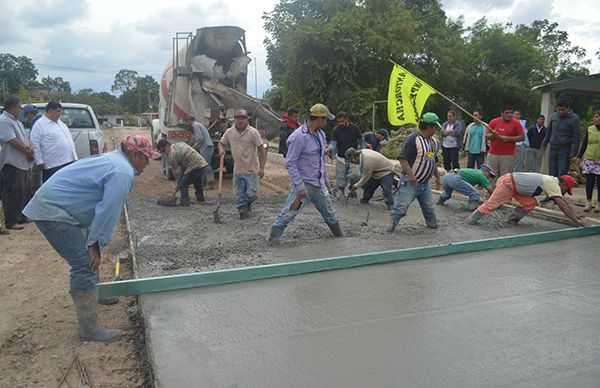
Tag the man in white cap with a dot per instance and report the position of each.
(77, 211)
(249, 159)
(305, 162)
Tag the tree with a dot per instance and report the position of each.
(141, 97)
(16, 72)
(56, 85)
(125, 80)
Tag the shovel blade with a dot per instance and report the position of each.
(216, 217)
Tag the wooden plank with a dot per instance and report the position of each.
(200, 279)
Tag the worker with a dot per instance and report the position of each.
(419, 163)
(187, 165)
(464, 181)
(524, 187)
(374, 140)
(376, 170)
(204, 145)
(305, 162)
(343, 136)
(77, 211)
(249, 157)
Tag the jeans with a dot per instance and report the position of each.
(246, 189)
(559, 161)
(386, 187)
(345, 174)
(207, 154)
(520, 158)
(534, 160)
(69, 241)
(450, 156)
(453, 181)
(317, 195)
(407, 194)
(193, 177)
(475, 158)
(15, 193)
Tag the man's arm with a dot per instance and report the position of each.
(409, 172)
(295, 148)
(575, 138)
(262, 160)
(35, 140)
(567, 211)
(547, 136)
(16, 143)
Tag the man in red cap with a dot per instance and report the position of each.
(524, 187)
(77, 211)
(249, 158)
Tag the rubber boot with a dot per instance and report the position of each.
(86, 303)
(597, 208)
(249, 206)
(473, 205)
(440, 201)
(432, 224)
(516, 216)
(106, 301)
(185, 202)
(474, 218)
(200, 196)
(336, 230)
(243, 213)
(392, 225)
(588, 206)
(273, 238)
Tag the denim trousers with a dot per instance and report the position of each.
(345, 173)
(475, 158)
(246, 189)
(207, 154)
(386, 187)
(559, 161)
(193, 177)
(69, 241)
(453, 181)
(408, 193)
(317, 195)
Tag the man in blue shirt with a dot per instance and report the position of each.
(77, 210)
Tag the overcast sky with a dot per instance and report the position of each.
(88, 42)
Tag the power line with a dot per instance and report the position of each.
(90, 70)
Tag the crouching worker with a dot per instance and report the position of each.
(188, 167)
(376, 170)
(524, 187)
(77, 211)
(464, 181)
(305, 162)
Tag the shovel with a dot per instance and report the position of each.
(168, 200)
(216, 217)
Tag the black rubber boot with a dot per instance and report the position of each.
(336, 230)
(474, 218)
(200, 196)
(185, 202)
(516, 216)
(273, 238)
(86, 304)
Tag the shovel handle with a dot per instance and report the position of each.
(221, 165)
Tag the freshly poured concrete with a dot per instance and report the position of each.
(518, 317)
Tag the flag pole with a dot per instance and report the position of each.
(453, 103)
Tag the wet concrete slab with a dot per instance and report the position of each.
(517, 317)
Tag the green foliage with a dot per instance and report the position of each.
(16, 72)
(56, 85)
(125, 80)
(142, 97)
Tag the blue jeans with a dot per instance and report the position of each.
(315, 194)
(453, 181)
(559, 161)
(69, 241)
(344, 174)
(207, 154)
(407, 194)
(386, 188)
(246, 189)
(193, 177)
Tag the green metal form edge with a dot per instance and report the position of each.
(212, 278)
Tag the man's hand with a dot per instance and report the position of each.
(40, 167)
(261, 173)
(302, 194)
(412, 180)
(95, 258)
(221, 152)
(543, 149)
(503, 139)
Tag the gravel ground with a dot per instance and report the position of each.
(183, 240)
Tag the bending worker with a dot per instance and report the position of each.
(524, 187)
(77, 211)
(464, 181)
(188, 167)
(376, 170)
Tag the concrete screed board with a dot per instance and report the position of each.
(516, 317)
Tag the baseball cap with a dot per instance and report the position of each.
(431, 118)
(350, 153)
(320, 110)
(489, 169)
(568, 179)
(29, 108)
(139, 143)
(240, 113)
(384, 132)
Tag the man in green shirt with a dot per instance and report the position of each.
(464, 181)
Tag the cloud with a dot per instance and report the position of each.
(526, 11)
(51, 13)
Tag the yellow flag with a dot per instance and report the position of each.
(406, 97)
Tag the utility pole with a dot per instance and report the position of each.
(255, 78)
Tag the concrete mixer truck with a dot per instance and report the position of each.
(207, 78)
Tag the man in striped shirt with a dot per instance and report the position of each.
(418, 161)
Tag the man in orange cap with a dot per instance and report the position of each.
(77, 211)
(524, 187)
